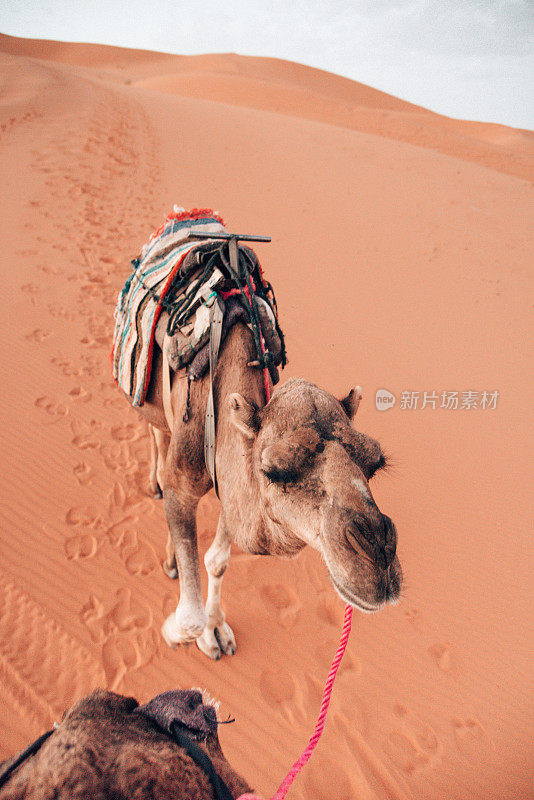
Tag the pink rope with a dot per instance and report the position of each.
(321, 720)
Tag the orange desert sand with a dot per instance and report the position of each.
(400, 257)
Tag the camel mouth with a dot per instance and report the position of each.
(356, 602)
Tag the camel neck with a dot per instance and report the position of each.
(238, 486)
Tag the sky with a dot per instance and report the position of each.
(470, 59)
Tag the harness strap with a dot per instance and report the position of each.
(166, 387)
(216, 321)
(7, 771)
(201, 759)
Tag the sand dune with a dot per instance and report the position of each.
(401, 259)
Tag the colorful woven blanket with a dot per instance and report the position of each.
(139, 303)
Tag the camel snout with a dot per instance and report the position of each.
(389, 549)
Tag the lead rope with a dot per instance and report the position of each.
(327, 693)
(321, 720)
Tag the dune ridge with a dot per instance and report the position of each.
(397, 264)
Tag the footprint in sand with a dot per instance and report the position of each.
(126, 432)
(124, 628)
(86, 436)
(118, 457)
(59, 311)
(81, 546)
(138, 557)
(413, 615)
(329, 610)
(85, 516)
(81, 394)
(30, 288)
(93, 343)
(38, 336)
(114, 402)
(67, 367)
(121, 499)
(413, 745)
(48, 270)
(83, 473)
(282, 602)
(470, 735)
(441, 654)
(277, 686)
(51, 406)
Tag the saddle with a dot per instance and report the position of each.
(192, 281)
(183, 328)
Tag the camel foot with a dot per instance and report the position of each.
(170, 570)
(176, 634)
(216, 641)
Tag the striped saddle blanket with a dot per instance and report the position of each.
(140, 302)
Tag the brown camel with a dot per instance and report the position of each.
(107, 747)
(290, 473)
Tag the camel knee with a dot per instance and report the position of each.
(216, 560)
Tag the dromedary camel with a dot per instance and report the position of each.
(108, 747)
(290, 473)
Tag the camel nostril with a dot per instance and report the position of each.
(360, 543)
(390, 539)
(381, 558)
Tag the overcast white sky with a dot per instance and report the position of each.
(471, 59)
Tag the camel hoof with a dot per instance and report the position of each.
(175, 636)
(170, 570)
(154, 489)
(225, 637)
(216, 641)
(208, 645)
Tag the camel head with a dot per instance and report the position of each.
(313, 470)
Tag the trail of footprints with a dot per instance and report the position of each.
(96, 223)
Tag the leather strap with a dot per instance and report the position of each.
(216, 320)
(8, 769)
(220, 789)
(166, 387)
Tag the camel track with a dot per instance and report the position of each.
(88, 225)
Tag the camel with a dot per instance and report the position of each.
(107, 746)
(292, 472)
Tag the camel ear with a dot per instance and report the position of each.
(351, 402)
(244, 415)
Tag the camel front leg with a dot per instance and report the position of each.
(217, 637)
(159, 447)
(153, 487)
(189, 620)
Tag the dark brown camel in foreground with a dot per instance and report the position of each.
(106, 748)
(291, 473)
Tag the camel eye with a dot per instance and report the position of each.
(280, 476)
